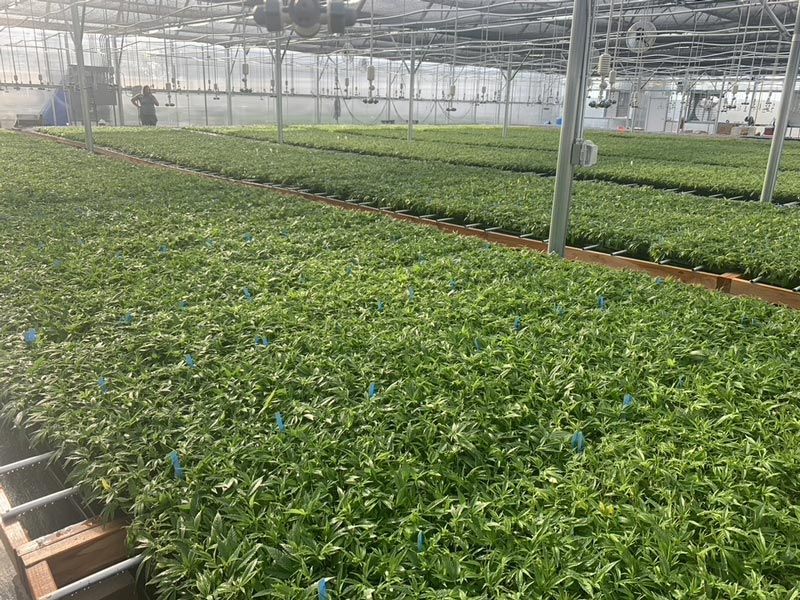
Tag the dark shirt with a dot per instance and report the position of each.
(147, 105)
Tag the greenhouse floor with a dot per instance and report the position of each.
(8, 590)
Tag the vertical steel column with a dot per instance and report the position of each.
(77, 39)
(559, 222)
(205, 87)
(279, 89)
(507, 115)
(782, 121)
(317, 99)
(229, 86)
(412, 80)
(118, 79)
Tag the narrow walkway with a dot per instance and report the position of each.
(8, 588)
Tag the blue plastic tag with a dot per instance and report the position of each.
(681, 382)
(380, 306)
(163, 249)
(103, 383)
(31, 337)
(183, 305)
(190, 362)
(602, 303)
(248, 237)
(280, 422)
(349, 270)
(373, 390)
(176, 465)
(127, 319)
(248, 295)
(322, 589)
(578, 442)
(627, 401)
(420, 542)
(518, 324)
(262, 341)
(660, 281)
(453, 285)
(478, 345)
(411, 293)
(560, 311)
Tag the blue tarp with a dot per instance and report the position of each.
(57, 111)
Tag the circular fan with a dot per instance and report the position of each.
(641, 37)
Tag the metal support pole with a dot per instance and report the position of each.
(787, 95)
(77, 39)
(721, 104)
(559, 222)
(26, 462)
(507, 115)
(205, 87)
(317, 99)
(39, 503)
(229, 85)
(118, 80)
(279, 89)
(412, 81)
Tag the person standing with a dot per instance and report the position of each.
(146, 102)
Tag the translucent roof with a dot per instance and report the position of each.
(739, 38)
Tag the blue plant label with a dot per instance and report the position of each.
(280, 422)
(453, 285)
(248, 295)
(119, 256)
(627, 401)
(248, 237)
(262, 341)
(184, 305)
(518, 324)
(210, 243)
(602, 303)
(322, 589)
(127, 319)
(103, 384)
(373, 390)
(560, 311)
(660, 281)
(176, 465)
(285, 234)
(190, 361)
(380, 306)
(578, 442)
(41, 245)
(681, 382)
(31, 337)
(420, 542)
(411, 293)
(478, 345)
(349, 270)
(164, 249)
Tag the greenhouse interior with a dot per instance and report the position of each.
(399, 299)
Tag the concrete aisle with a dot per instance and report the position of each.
(8, 590)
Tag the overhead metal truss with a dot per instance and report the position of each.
(725, 38)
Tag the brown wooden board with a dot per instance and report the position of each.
(77, 551)
(39, 578)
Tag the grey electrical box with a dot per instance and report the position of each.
(584, 154)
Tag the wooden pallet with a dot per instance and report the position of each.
(52, 561)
